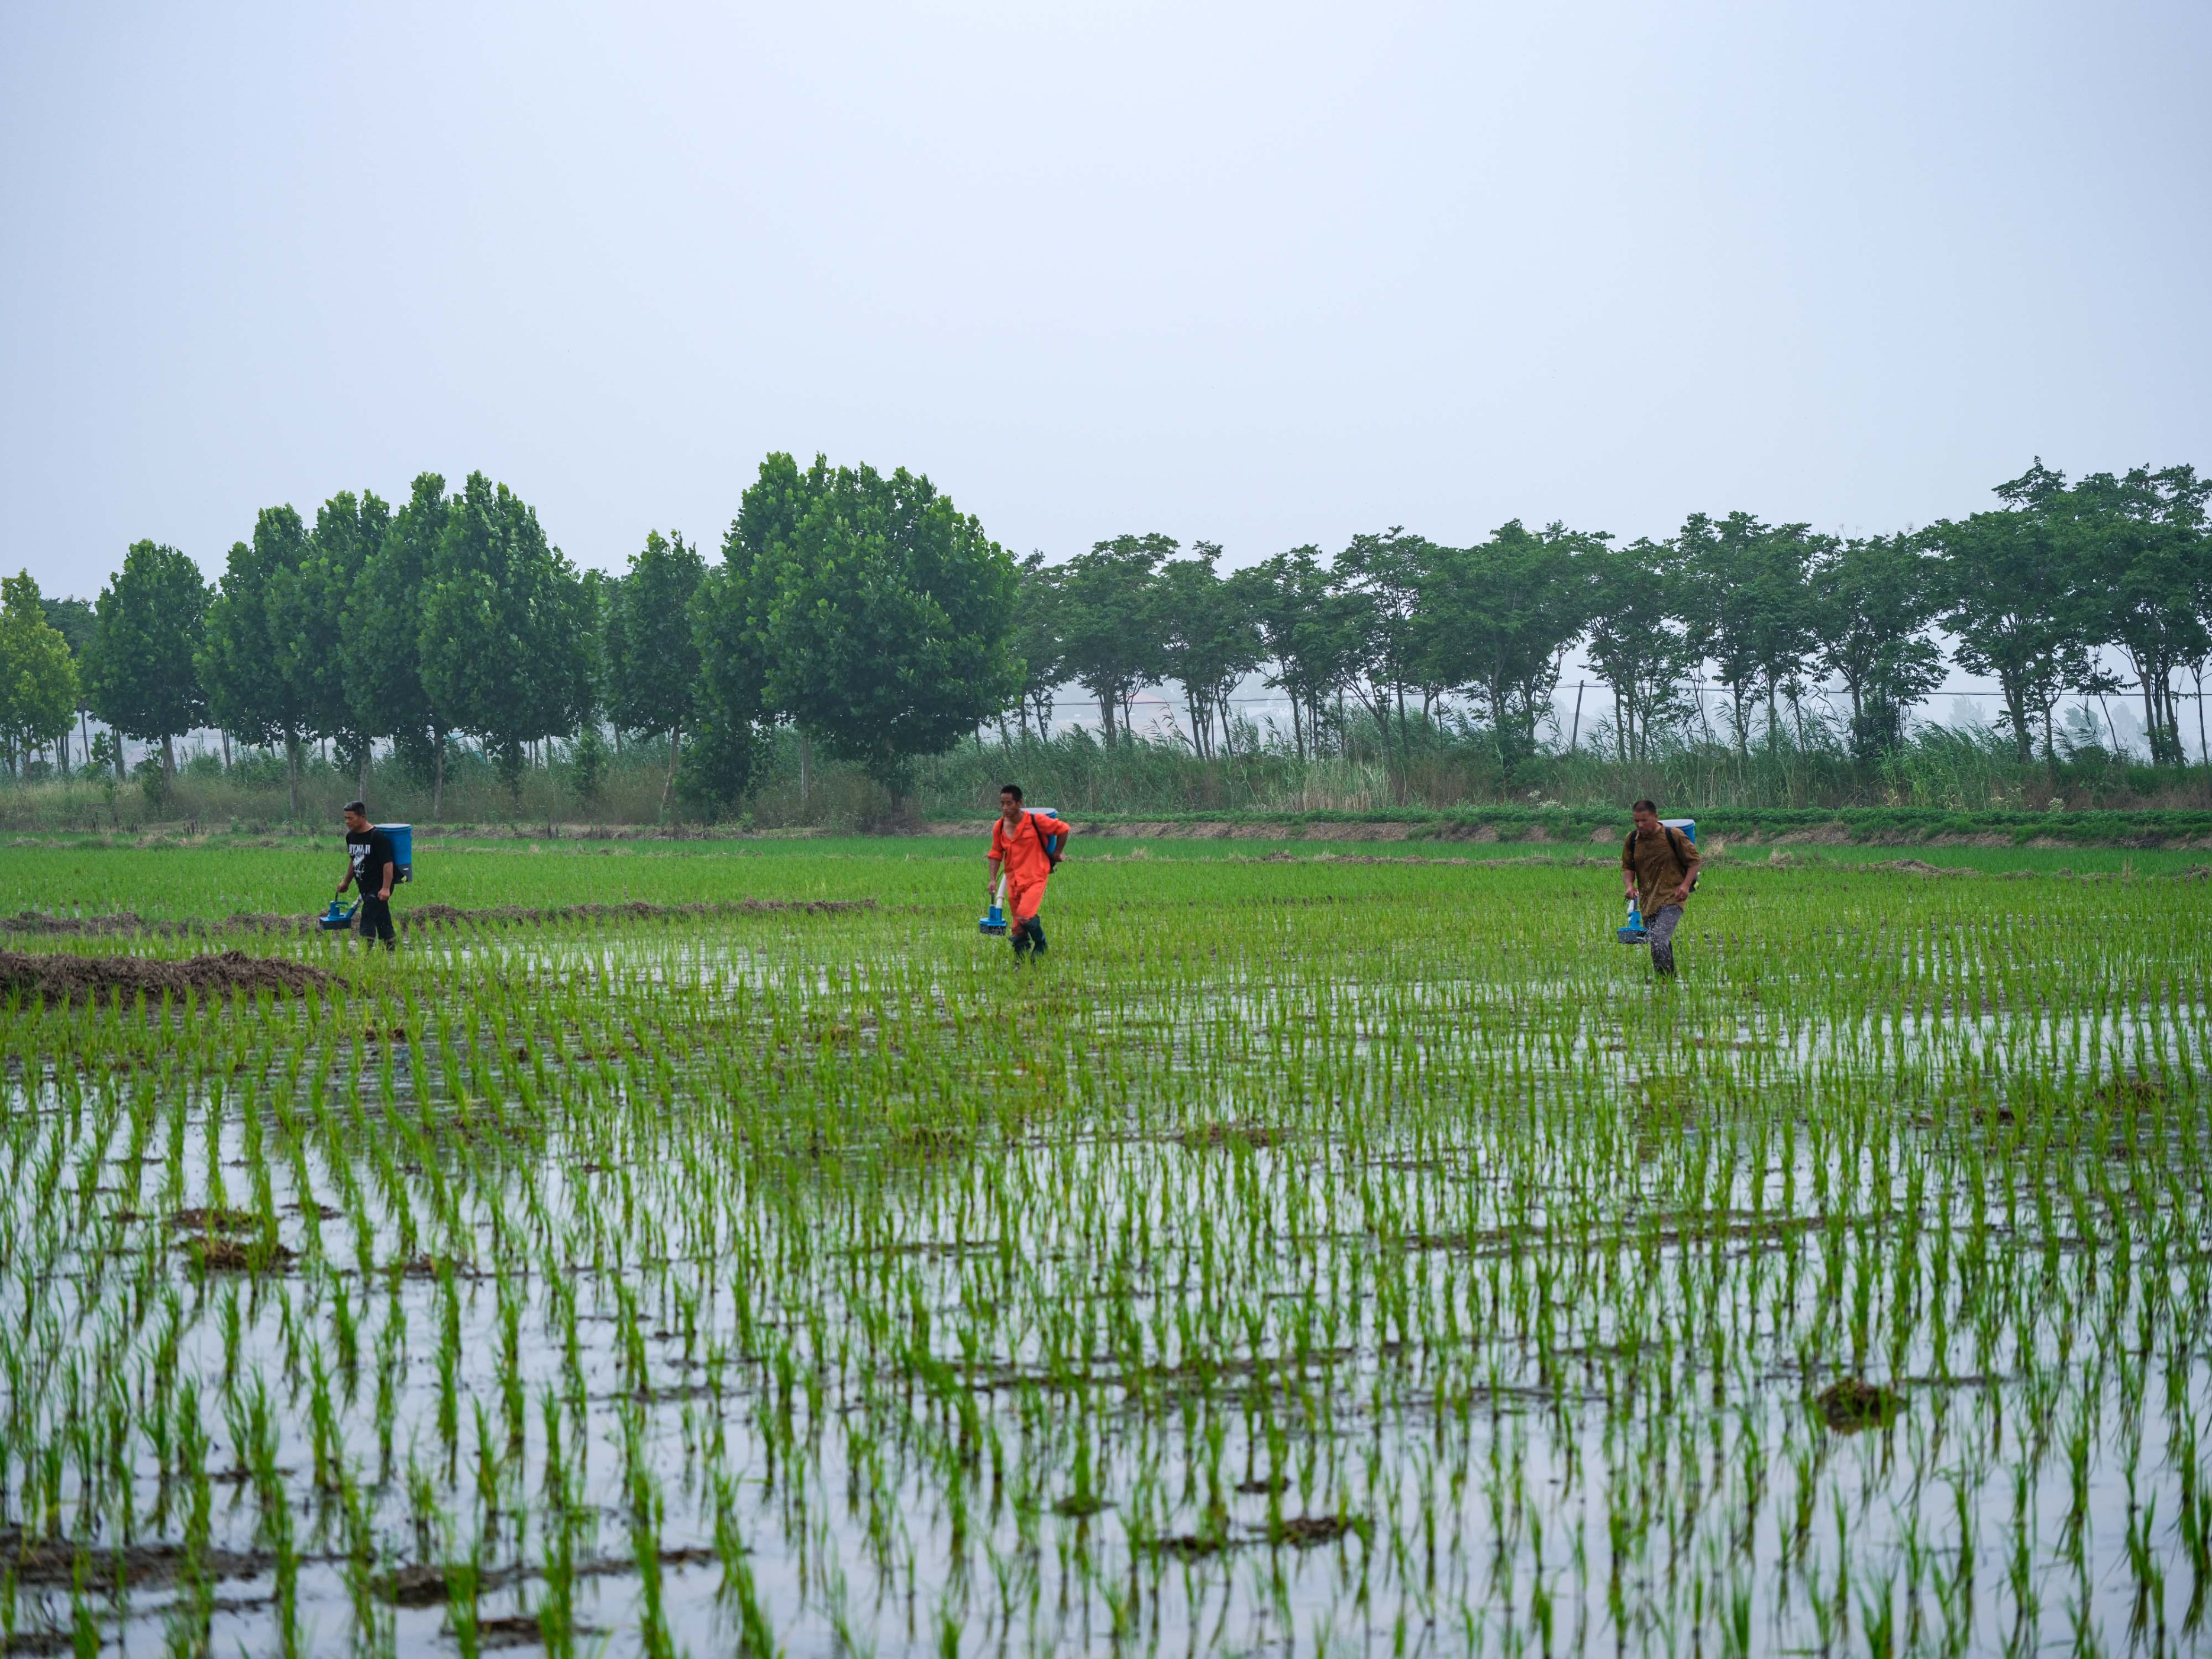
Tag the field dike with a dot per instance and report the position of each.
(121, 923)
(57, 976)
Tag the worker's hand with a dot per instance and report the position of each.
(1682, 894)
(384, 898)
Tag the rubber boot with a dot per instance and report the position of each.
(1018, 936)
(1036, 934)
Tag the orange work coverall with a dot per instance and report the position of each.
(1022, 858)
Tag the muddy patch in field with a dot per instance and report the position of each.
(61, 978)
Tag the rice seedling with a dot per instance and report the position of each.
(1323, 1256)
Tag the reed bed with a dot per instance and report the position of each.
(1301, 1258)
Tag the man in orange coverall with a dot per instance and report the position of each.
(1017, 839)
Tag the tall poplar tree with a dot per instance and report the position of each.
(384, 635)
(652, 654)
(248, 659)
(148, 630)
(37, 677)
(506, 629)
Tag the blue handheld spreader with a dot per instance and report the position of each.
(340, 915)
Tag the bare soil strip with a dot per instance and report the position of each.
(59, 977)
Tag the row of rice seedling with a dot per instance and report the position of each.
(1299, 1258)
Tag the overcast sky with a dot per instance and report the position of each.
(1264, 275)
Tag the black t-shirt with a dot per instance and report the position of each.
(370, 849)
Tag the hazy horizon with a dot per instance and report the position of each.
(1264, 276)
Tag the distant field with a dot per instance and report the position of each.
(1350, 1254)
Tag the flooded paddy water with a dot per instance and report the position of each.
(1296, 1261)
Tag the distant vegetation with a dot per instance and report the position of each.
(862, 652)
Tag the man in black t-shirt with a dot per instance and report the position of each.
(371, 865)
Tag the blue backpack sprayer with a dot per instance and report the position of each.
(1635, 932)
(340, 915)
(994, 919)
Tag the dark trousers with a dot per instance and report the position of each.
(1662, 929)
(374, 920)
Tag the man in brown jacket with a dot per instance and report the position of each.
(1659, 866)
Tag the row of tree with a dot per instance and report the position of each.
(2030, 592)
(868, 611)
(865, 607)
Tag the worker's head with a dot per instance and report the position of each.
(1647, 818)
(356, 815)
(1010, 799)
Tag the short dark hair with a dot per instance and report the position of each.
(1013, 789)
(1645, 806)
(360, 807)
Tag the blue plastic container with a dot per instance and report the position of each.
(403, 850)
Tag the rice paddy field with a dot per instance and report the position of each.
(1308, 1255)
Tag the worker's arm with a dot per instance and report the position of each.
(991, 876)
(348, 881)
(1690, 857)
(391, 872)
(1628, 865)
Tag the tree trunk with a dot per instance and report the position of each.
(292, 768)
(2202, 754)
(1575, 733)
(225, 749)
(1298, 731)
(668, 786)
(2111, 730)
(361, 786)
(805, 766)
(437, 772)
(169, 766)
(2153, 728)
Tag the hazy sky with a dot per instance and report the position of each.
(1265, 274)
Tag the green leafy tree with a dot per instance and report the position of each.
(729, 621)
(38, 676)
(384, 636)
(1380, 578)
(144, 674)
(1210, 640)
(2012, 601)
(1109, 630)
(884, 615)
(73, 620)
(652, 654)
(1310, 631)
(507, 646)
(1498, 619)
(247, 661)
(309, 606)
(1746, 587)
(1037, 601)
(1874, 599)
(2139, 543)
(1636, 643)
